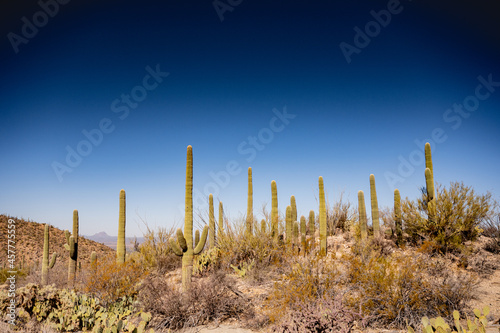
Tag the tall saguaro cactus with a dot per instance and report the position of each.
(46, 265)
(322, 217)
(211, 222)
(312, 227)
(274, 210)
(303, 232)
(374, 203)
(249, 221)
(362, 215)
(288, 225)
(184, 245)
(120, 245)
(72, 246)
(431, 199)
(397, 217)
(293, 204)
(221, 219)
(428, 157)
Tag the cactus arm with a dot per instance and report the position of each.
(428, 157)
(303, 231)
(53, 260)
(67, 234)
(71, 246)
(196, 237)
(202, 242)
(181, 240)
(175, 247)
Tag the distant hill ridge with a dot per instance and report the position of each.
(29, 242)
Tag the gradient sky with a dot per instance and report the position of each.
(226, 77)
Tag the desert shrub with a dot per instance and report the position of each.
(260, 251)
(491, 227)
(319, 315)
(459, 212)
(340, 215)
(311, 280)
(213, 299)
(155, 251)
(109, 280)
(398, 289)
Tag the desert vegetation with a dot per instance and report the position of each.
(416, 267)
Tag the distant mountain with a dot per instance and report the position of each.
(104, 238)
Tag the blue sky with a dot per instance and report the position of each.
(101, 68)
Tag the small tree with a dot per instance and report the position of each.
(458, 213)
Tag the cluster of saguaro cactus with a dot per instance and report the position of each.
(120, 245)
(374, 203)
(249, 219)
(184, 245)
(362, 215)
(72, 246)
(46, 265)
(322, 217)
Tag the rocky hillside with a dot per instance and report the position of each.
(29, 243)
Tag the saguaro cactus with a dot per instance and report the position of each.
(322, 217)
(293, 204)
(295, 232)
(46, 265)
(249, 221)
(312, 227)
(72, 246)
(397, 217)
(374, 202)
(431, 199)
(303, 232)
(93, 259)
(120, 245)
(362, 215)
(184, 245)
(288, 225)
(211, 222)
(221, 220)
(428, 157)
(274, 210)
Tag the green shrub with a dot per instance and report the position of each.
(459, 213)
